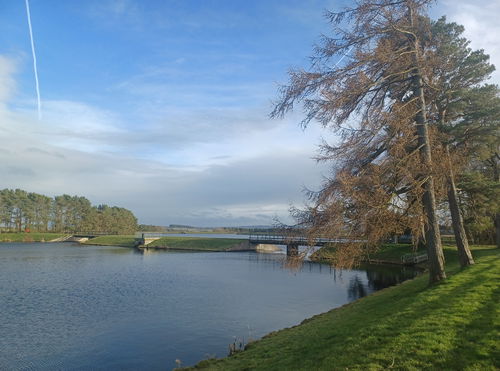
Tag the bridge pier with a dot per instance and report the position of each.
(292, 249)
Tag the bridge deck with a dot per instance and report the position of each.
(291, 240)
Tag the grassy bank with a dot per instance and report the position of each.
(450, 326)
(196, 243)
(393, 252)
(125, 241)
(388, 253)
(175, 243)
(29, 237)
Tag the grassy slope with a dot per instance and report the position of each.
(178, 243)
(394, 252)
(452, 325)
(29, 237)
(387, 253)
(196, 243)
(125, 241)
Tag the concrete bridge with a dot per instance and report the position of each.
(292, 243)
(146, 238)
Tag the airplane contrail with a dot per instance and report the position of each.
(37, 85)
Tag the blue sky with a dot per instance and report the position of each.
(162, 106)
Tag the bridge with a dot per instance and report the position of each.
(291, 242)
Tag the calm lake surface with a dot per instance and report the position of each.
(65, 306)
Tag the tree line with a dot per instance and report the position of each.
(418, 129)
(28, 211)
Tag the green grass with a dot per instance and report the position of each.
(119, 240)
(29, 237)
(453, 325)
(196, 243)
(389, 252)
(393, 252)
(177, 243)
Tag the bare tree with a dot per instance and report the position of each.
(383, 175)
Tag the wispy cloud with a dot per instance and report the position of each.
(73, 125)
(7, 82)
(306, 12)
(111, 11)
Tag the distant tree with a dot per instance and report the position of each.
(7, 208)
(61, 213)
(114, 220)
(43, 212)
(151, 228)
(21, 211)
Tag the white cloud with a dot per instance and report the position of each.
(72, 125)
(250, 191)
(7, 82)
(225, 167)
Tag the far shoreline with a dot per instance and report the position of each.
(389, 254)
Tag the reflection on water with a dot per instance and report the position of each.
(377, 278)
(65, 306)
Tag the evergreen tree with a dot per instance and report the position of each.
(457, 73)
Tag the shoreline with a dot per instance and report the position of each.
(407, 326)
(199, 244)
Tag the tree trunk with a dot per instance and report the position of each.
(464, 254)
(497, 229)
(433, 236)
(496, 220)
(421, 244)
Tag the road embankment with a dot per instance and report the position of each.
(201, 244)
(176, 243)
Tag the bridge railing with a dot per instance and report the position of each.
(275, 237)
(414, 258)
(289, 239)
(150, 234)
(294, 239)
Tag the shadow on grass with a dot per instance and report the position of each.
(392, 335)
(431, 328)
(477, 341)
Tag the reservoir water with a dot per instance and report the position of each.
(65, 306)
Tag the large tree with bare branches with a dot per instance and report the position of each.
(376, 100)
(407, 91)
